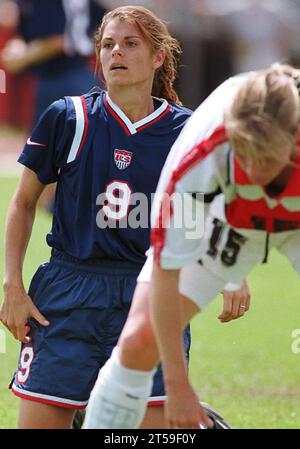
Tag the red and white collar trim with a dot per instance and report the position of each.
(132, 128)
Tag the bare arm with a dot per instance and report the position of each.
(17, 306)
(18, 55)
(182, 407)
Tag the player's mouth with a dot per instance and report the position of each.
(117, 67)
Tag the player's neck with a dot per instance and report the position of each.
(135, 104)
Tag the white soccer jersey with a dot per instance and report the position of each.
(201, 161)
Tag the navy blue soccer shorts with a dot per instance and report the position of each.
(87, 305)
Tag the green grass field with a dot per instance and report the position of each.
(38, 252)
(245, 369)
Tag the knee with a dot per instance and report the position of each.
(137, 344)
(137, 338)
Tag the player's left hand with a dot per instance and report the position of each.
(236, 303)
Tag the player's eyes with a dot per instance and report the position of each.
(107, 45)
(132, 43)
(265, 161)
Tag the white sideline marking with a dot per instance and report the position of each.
(2, 342)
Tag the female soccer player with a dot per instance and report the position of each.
(106, 151)
(241, 141)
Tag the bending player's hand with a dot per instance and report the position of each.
(236, 303)
(16, 310)
(183, 410)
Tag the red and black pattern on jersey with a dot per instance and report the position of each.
(253, 208)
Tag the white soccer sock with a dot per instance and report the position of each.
(119, 397)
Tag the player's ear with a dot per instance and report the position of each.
(159, 58)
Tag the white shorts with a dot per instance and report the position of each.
(228, 255)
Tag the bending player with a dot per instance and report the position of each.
(240, 141)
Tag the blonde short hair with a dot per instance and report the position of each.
(264, 116)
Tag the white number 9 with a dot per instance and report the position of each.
(25, 362)
(118, 195)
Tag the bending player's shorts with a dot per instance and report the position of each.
(87, 305)
(227, 256)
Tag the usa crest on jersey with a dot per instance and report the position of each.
(122, 158)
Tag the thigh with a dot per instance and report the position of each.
(35, 415)
(139, 314)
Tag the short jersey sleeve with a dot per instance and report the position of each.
(44, 151)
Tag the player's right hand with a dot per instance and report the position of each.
(16, 310)
(183, 410)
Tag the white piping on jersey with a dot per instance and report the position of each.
(79, 130)
(133, 127)
(155, 114)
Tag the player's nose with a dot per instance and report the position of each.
(117, 50)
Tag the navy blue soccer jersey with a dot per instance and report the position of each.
(107, 169)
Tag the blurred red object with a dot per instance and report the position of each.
(16, 104)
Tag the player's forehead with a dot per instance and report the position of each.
(261, 156)
(121, 29)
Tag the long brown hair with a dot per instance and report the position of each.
(158, 36)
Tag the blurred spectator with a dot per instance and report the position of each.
(16, 94)
(55, 43)
(262, 32)
(294, 13)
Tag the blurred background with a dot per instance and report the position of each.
(219, 38)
